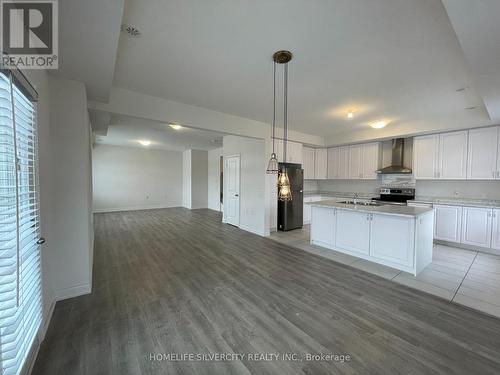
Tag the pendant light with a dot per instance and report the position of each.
(272, 166)
(284, 188)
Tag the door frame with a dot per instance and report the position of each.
(225, 175)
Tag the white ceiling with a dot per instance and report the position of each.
(386, 59)
(88, 41)
(127, 131)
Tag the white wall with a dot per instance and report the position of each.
(199, 179)
(129, 178)
(186, 179)
(252, 181)
(71, 234)
(214, 179)
(195, 179)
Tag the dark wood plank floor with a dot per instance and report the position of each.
(179, 281)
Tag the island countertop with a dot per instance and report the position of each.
(382, 209)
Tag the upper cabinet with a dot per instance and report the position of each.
(334, 163)
(371, 160)
(320, 164)
(343, 162)
(440, 156)
(308, 156)
(484, 160)
(356, 161)
(293, 151)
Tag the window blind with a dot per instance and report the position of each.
(20, 268)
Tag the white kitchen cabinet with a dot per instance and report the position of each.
(293, 151)
(483, 154)
(308, 162)
(370, 160)
(476, 226)
(355, 161)
(453, 156)
(344, 162)
(320, 163)
(334, 163)
(425, 156)
(392, 238)
(323, 226)
(495, 233)
(448, 223)
(353, 231)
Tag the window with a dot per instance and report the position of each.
(20, 268)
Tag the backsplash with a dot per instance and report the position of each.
(424, 188)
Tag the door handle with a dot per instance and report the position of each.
(236, 195)
(40, 241)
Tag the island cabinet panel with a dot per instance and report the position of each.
(392, 239)
(448, 223)
(323, 226)
(353, 231)
(476, 226)
(495, 233)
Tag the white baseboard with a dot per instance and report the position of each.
(131, 208)
(46, 320)
(486, 250)
(73, 291)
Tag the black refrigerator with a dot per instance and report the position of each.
(290, 213)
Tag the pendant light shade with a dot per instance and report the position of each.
(272, 166)
(285, 190)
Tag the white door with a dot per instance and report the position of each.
(353, 231)
(323, 226)
(308, 162)
(495, 233)
(344, 162)
(370, 160)
(320, 164)
(355, 161)
(333, 162)
(232, 206)
(482, 158)
(447, 223)
(476, 226)
(453, 155)
(392, 238)
(425, 157)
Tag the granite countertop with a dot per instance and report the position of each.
(458, 201)
(383, 209)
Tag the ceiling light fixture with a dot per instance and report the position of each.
(131, 31)
(175, 126)
(144, 142)
(284, 188)
(350, 115)
(272, 166)
(379, 125)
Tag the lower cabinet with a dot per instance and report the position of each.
(448, 223)
(495, 233)
(392, 239)
(353, 231)
(476, 226)
(323, 226)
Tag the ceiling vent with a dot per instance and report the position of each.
(131, 31)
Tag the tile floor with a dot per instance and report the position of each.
(466, 277)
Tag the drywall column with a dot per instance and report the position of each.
(214, 169)
(72, 234)
(195, 179)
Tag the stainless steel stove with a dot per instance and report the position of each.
(397, 196)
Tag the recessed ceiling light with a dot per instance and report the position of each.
(350, 115)
(175, 126)
(379, 125)
(144, 142)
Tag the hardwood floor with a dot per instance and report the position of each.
(179, 281)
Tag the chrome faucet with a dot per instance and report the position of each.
(356, 196)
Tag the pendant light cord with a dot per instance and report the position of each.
(285, 110)
(274, 103)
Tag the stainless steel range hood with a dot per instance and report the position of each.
(397, 165)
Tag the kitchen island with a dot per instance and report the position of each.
(400, 237)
